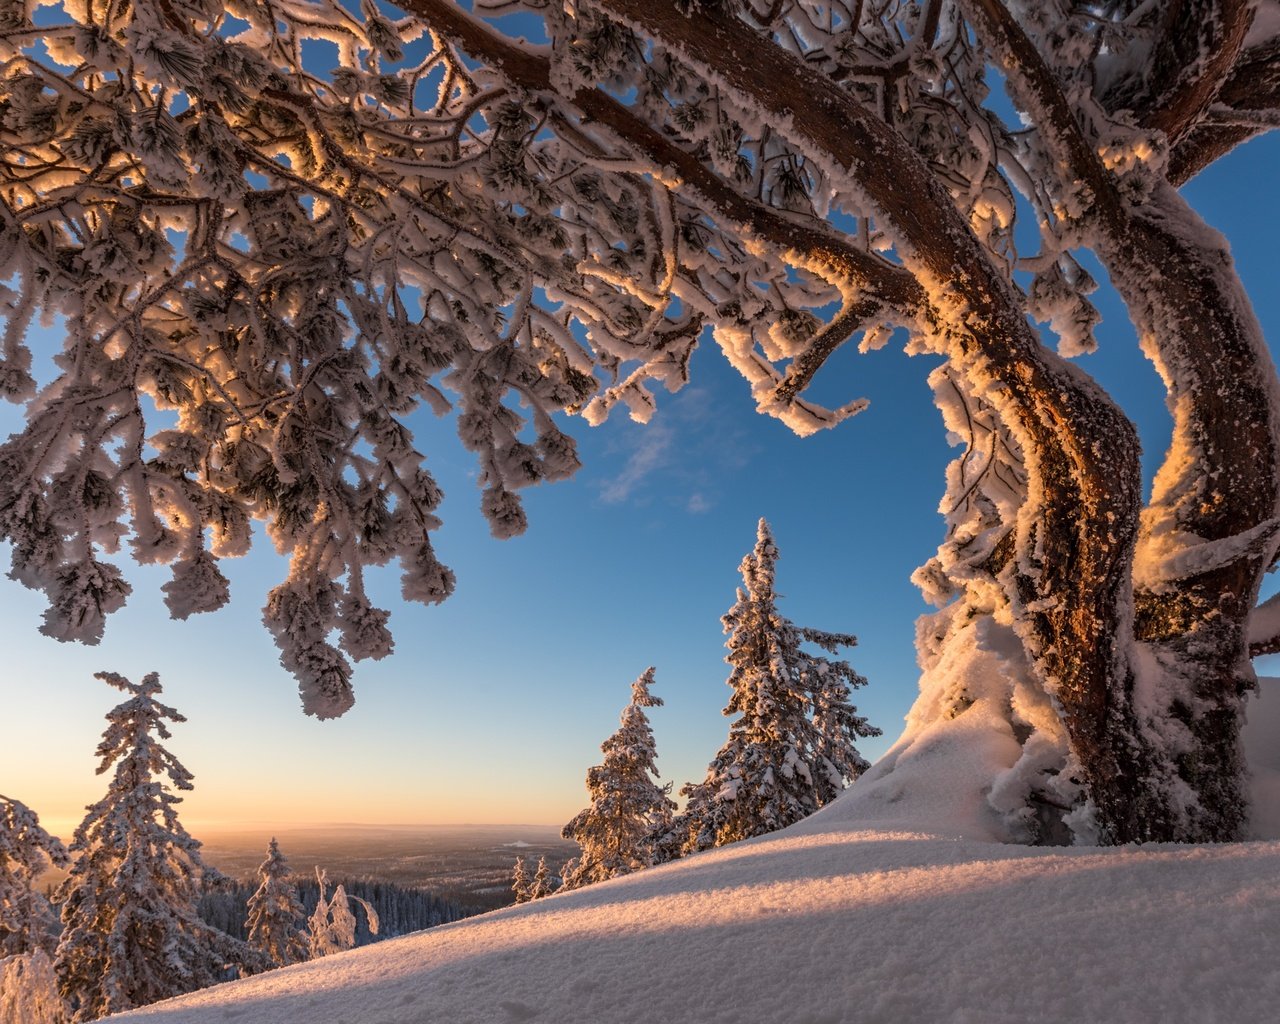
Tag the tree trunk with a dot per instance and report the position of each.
(1210, 530)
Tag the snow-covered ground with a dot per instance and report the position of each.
(887, 906)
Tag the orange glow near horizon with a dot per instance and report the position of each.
(61, 816)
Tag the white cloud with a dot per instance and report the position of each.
(698, 503)
(649, 455)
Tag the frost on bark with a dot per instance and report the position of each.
(263, 266)
(628, 807)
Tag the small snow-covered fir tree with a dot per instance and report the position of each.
(836, 722)
(131, 935)
(28, 929)
(627, 806)
(332, 926)
(276, 918)
(521, 884)
(791, 746)
(542, 884)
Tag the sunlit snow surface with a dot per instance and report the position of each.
(855, 915)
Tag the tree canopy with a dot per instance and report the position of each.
(285, 226)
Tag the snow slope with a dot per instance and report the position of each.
(854, 915)
(824, 924)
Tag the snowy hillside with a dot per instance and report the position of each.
(865, 912)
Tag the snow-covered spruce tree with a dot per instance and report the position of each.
(28, 928)
(130, 934)
(27, 922)
(276, 922)
(521, 884)
(332, 925)
(791, 744)
(359, 240)
(627, 806)
(542, 884)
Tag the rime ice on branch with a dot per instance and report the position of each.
(517, 232)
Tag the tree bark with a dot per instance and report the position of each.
(1175, 275)
(1198, 328)
(1253, 85)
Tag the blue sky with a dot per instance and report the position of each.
(495, 704)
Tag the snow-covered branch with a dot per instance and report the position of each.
(1253, 85)
(1039, 95)
(1195, 51)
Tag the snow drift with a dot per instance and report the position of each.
(890, 905)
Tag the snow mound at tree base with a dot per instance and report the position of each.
(826, 923)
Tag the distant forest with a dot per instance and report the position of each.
(400, 909)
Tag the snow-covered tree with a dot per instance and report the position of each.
(627, 806)
(791, 744)
(836, 722)
(276, 923)
(27, 922)
(547, 228)
(521, 883)
(130, 933)
(29, 990)
(28, 928)
(542, 884)
(332, 925)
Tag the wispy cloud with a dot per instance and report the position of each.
(681, 458)
(693, 404)
(651, 454)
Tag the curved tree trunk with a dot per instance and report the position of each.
(1210, 530)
